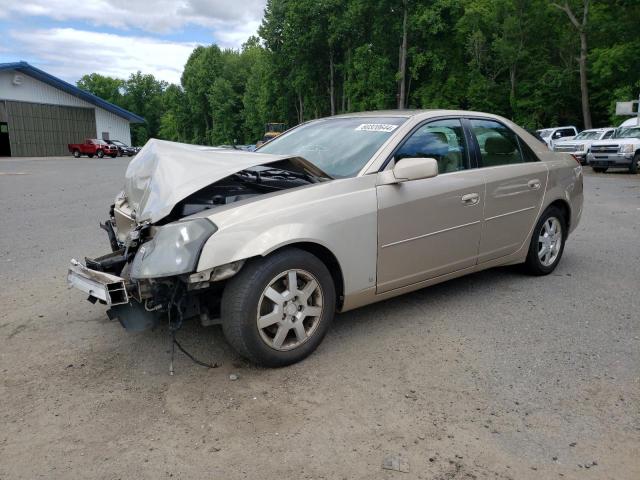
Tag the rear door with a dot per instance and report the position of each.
(515, 184)
(430, 227)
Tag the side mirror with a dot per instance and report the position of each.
(407, 169)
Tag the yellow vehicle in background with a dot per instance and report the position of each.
(272, 130)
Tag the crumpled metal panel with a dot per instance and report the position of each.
(164, 173)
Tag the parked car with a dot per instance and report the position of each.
(91, 147)
(579, 146)
(621, 151)
(123, 148)
(335, 214)
(631, 122)
(551, 135)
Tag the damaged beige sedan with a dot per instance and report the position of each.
(332, 215)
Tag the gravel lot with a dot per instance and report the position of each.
(496, 375)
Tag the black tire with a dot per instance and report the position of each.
(635, 164)
(76, 153)
(533, 264)
(599, 169)
(240, 303)
(114, 156)
(100, 153)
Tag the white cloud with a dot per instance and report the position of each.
(70, 53)
(227, 17)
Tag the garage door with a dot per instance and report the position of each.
(37, 129)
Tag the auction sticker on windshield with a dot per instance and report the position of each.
(376, 127)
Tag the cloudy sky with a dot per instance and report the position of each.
(69, 38)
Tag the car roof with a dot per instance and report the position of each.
(409, 113)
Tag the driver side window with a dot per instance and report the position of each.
(442, 140)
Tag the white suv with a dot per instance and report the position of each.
(579, 146)
(551, 135)
(621, 151)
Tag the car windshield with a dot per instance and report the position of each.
(545, 133)
(588, 135)
(118, 142)
(628, 133)
(338, 146)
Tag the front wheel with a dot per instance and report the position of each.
(635, 164)
(100, 153)
(277, 310)
(76, 153)
(547, 242)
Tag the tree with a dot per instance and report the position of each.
(107, 88)
(581, 27)
(402, 74)
(516, 58)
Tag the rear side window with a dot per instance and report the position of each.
(609, 134)
(498, 145)
(567, 132)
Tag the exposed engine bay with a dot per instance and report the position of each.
(241, 186)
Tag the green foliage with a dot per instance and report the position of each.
(517, 58)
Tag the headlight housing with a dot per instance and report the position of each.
(174, 249)
(628, 148)
(580, 147)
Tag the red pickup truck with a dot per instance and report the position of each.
(93, 146)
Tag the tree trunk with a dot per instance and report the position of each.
(403, 60)
(301, 109)
(512, 79)
(584, 87)
(332, 87)
(343, 105)
(581, 27)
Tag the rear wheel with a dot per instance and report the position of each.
(547, 243)
(635, 164)
(277, 310)
(100, 153)
(76, 153)
(599, 169)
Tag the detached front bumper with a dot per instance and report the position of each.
(112, 291)
(100, 286)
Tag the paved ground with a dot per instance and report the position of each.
(496, 375)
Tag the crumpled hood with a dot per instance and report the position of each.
(164, 173)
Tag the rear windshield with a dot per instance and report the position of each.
(338, 146)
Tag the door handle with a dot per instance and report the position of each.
(470, 199)
(534, 184)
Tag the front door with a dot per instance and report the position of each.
(5, 146)
(430, 227)
(516, 182)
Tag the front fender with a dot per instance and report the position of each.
(340, 215)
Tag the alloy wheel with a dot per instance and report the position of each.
(290, 309)
(550, 241)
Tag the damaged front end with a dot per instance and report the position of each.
(148, 274)
(157, 228)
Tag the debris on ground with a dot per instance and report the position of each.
(395, 462)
